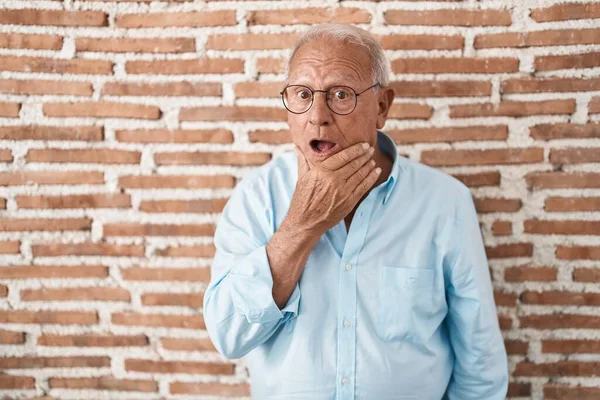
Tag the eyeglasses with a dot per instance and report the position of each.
(340, 99)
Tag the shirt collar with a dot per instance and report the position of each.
(388, 146)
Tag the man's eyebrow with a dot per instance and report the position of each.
(346, 81)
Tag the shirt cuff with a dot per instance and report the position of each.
(252, 290)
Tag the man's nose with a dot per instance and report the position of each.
(319, 113)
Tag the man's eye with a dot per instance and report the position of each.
(304, 95)
(340, 94)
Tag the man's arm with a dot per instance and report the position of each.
(480, 367)
(249, 297)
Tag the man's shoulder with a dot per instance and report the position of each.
(431, 181)
(274, 175)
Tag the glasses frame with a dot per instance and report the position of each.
(326, 99)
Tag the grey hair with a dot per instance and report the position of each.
(380, 65)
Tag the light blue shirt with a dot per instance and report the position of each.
(399, 307)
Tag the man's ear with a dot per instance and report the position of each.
(386, 98)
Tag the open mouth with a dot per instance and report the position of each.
(322, 148)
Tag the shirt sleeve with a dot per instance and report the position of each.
(238, 307)
(481, 366)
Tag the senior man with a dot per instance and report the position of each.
(343, 270)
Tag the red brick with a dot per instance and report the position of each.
(134, 229)
(192, 89)
(184, 67)
(410, 111)
(45, 224)
(202, 251)
(87, 249)
(513, 108)
(516, 347)
(40, 132)
(55, 65)
(55, 362)
(176, 19)
(193, 274)
(51, 178)
(502, 228)
(565, 131)
(571, 227)
(270, 137)
(490, 204)
(505, 299)
(3, 290)
(10, 247)
(48, 317)
(594, 106)
(559, 369)
(270, 65)
(212, 158)
(509, 250)
(192, 300)
(570, 346)
(20, 86)
(567, 204)
(560, 180)
(449, 17)
(94, 156)
(533, 274)
(116, 200)
(575, 155)
(26, 41)
(53, 17)
(159, 320)
(184, 206)
(177, 344)
(519, 389)
(479, 179)
(222, 136)
(560, 321)
(212, 388)
(79, 294)
(93, 340)
(578, 252)
(104, 383)
(136, 45)
(549, 63)
(532, 85)
(233, 113)
(449, 134)
(53, 271)
(176, 181)
(16, 382)
(251, 41)
(421, 42)
(2, 204)
(9, 109)
(6, 155)
(563, 391)
(482, 157)
(560, 298)
(101, 109)
(554, 37)
(11, 337)
(505, 322)
(441, 88)
(179, 367)
(341, 15)
(586, 275)
(562, 12)
(447, 65)
(258, 89)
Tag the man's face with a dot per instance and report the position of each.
(320, 65)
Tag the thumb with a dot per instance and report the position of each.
(303, 167)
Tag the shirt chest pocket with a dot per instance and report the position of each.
(405, 303)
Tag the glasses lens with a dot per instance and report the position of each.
(341, 99)
(297, 98)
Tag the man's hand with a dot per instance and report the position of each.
(328, 192)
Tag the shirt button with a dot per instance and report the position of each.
(345, 380)
(348, 267)
(347, 322)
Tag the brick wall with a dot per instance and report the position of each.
(124, 125)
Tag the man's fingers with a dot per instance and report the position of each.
(361, 175)
(343, 157)
(349, 169)
(303, 166)
(366, 184)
